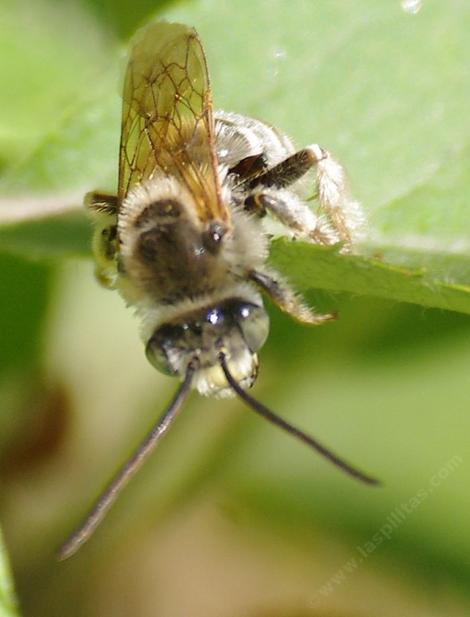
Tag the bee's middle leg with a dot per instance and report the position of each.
(293, 213)
(101, 203)
(103, 209)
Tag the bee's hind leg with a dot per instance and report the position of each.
(345, 216)
(286, 298)
(340, 218)
(103, 209)
(290, 169)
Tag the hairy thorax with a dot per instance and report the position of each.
(167, 254)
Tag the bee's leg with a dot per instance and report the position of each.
(289, 170)
(345, 215)
(101, 203)
(292, 212)
(342, 219)
(103, 209)
(286, 298)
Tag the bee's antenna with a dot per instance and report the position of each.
(260, 409)
(125, 473)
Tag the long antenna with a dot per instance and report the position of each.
(263, 411)
(125, 473)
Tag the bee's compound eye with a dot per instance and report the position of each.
(215, 316)
(157, 346)
(254, 324)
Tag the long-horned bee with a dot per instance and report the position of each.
(185, 240)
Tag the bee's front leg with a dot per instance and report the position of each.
(286, 298)
(103, 209)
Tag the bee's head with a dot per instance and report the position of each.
(234, 327)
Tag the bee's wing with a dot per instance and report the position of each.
(167, 124)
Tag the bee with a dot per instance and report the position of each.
(186, 239)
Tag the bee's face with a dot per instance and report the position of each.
(234, 327)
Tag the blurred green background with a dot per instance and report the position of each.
(231, 517)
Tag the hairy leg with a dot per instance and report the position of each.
(295, 214)
(103, 210)
(286, 298)
(344, 214)
(287, 171)
(340, 220)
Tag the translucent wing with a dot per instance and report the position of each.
(167, 124)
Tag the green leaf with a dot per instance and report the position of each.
(316, 267)
(123, 17)
(56, 236)
(8, 606)
(384, 90)
(52, 56)
(22, 308)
